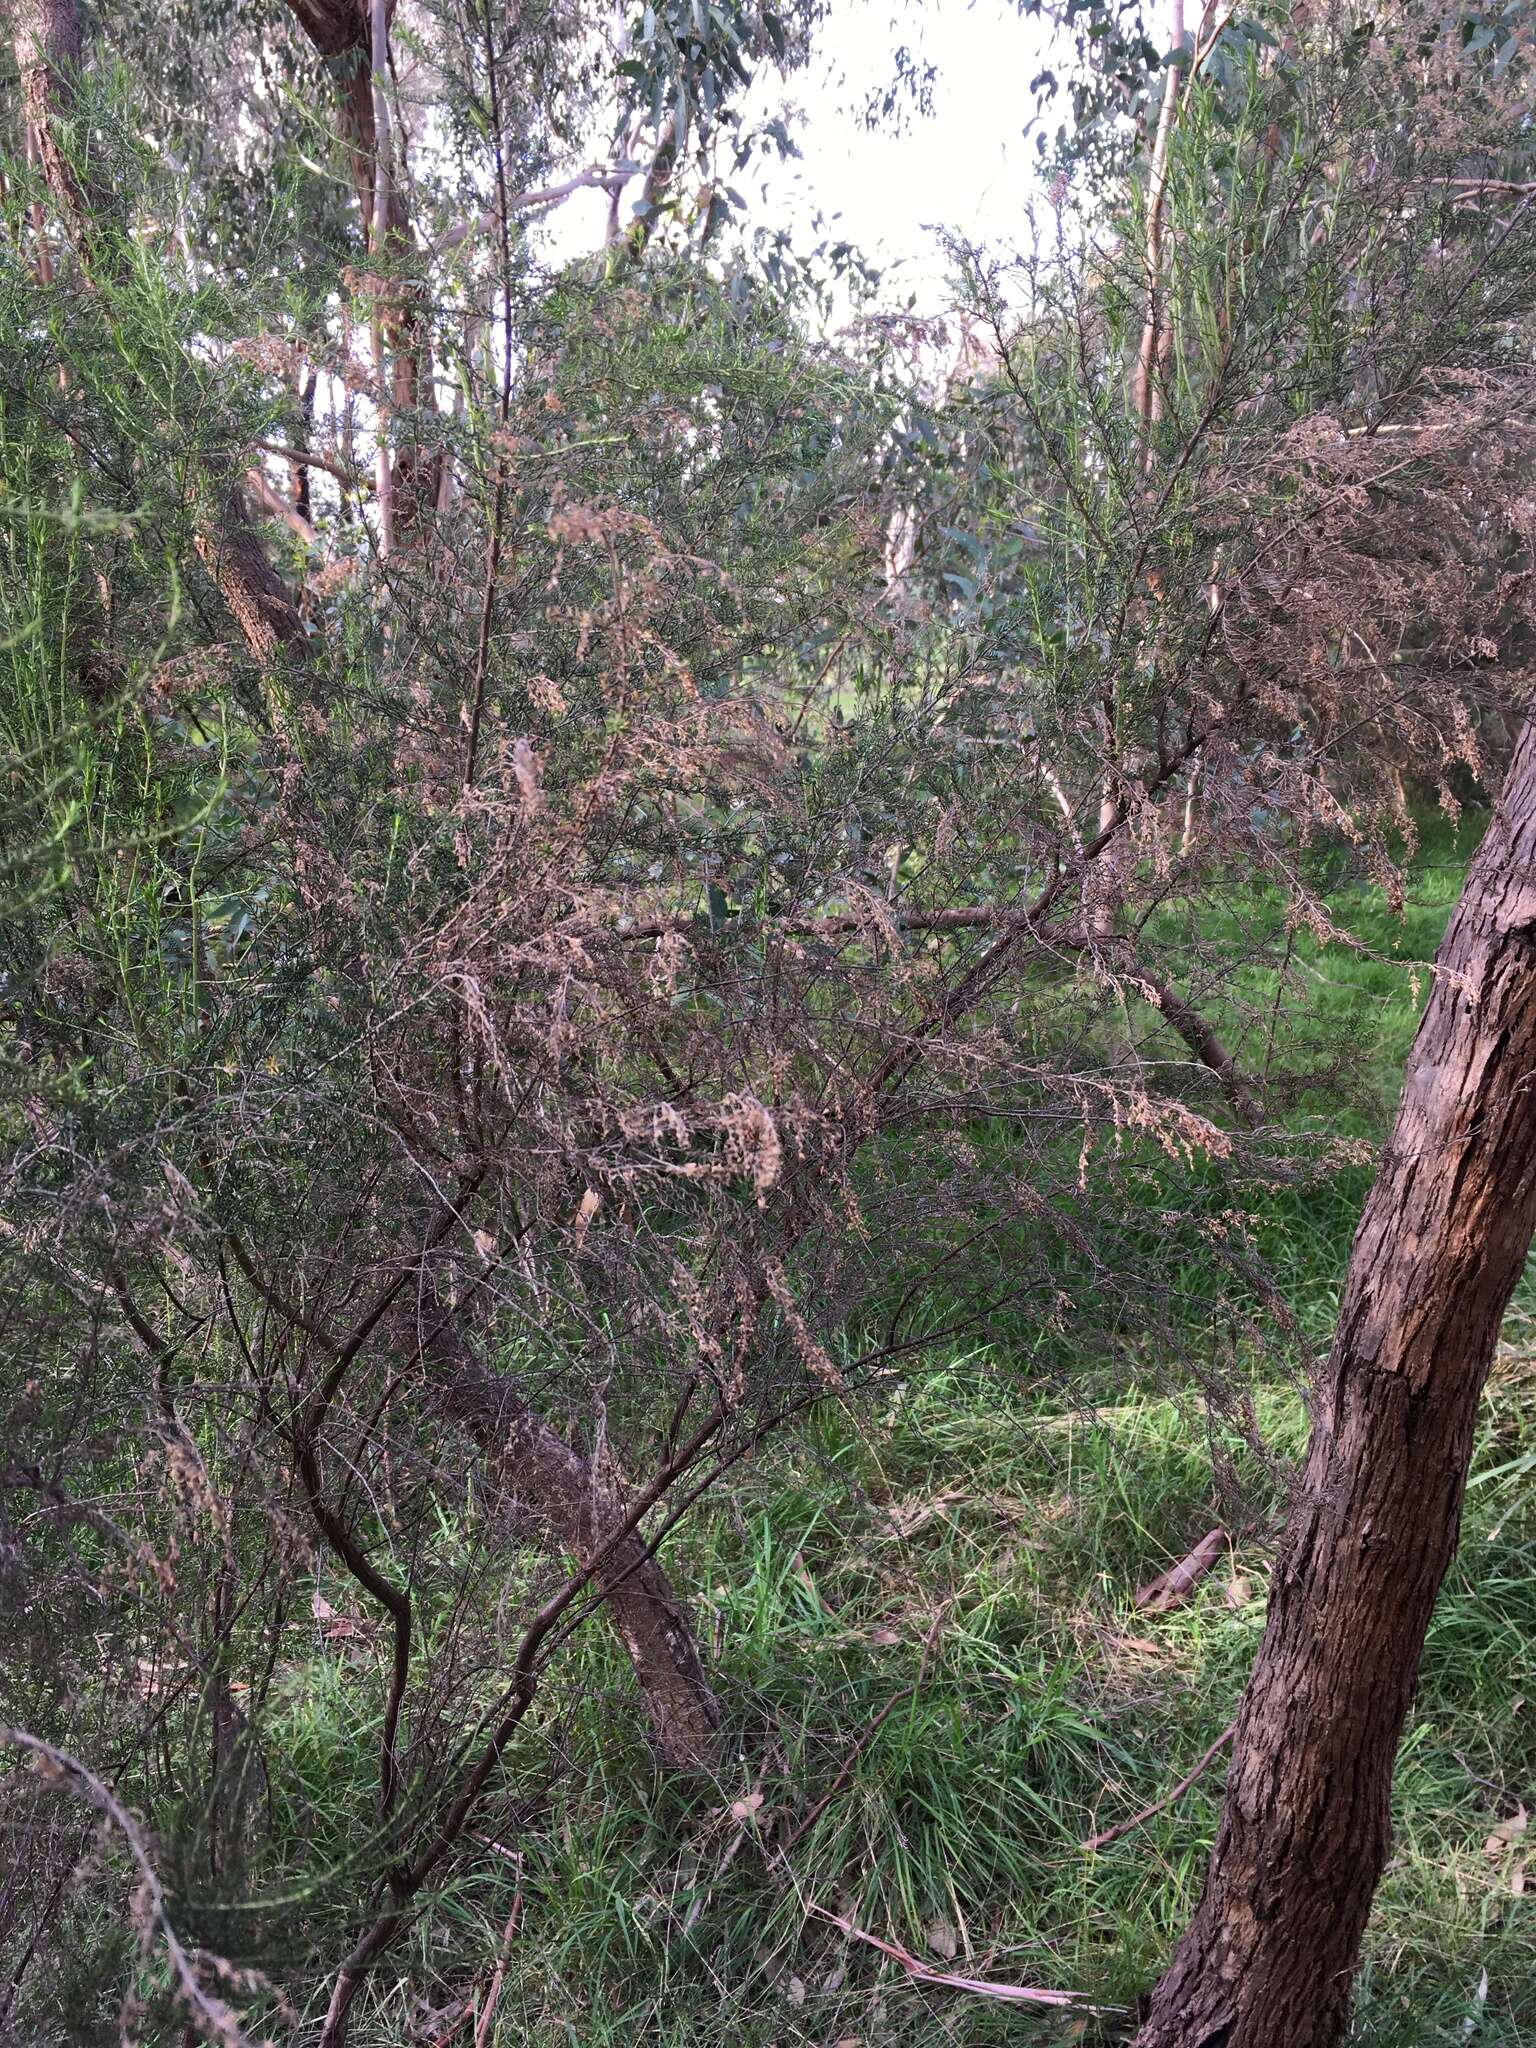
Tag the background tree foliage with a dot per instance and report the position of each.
(608, 894)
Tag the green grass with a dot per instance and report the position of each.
(961, 1558)
(1009, 1538)
(1008, 1533)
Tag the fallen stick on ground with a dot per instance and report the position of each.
(1124, 1827)
(981, 1987)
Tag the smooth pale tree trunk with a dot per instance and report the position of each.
(530, 1462)
(1268, 1959)
(352, 39)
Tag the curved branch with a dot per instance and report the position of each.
(214, 2019)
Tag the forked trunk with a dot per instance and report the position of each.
(534, 1464)
(1268, 1958)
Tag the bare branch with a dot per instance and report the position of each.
(1158, 1806)
(212, 2017)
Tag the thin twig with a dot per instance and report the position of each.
(278, 507)
(1124, 1827)
(979, 1987)
(487, 2012)
(465, 2012)
(211, 2014)
(493, 542)
(311, 458)
(845, 1772)
(378, 235)
(1143, 396)
(483, 2031)
(601, 177)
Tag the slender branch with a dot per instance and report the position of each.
(499, 1975)
(279, 507)
(1474, 185)
(1124, 1827)
(498, 510)
(845, 1772)
(596, 177)
(1142, 386)
(1180, 1014)
(1145, 399)
(923, 1973)
(984, 972)
(1196, 1031)
(517, 1698)
(213, 2017)
(395, 1602)
(311, 458)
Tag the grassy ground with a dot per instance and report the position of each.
(939, 1686)
(1027, 1705)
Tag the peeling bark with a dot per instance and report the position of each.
(1268, 1958)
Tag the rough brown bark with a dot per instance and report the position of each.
(229, 547)
(1268, 1958)
(48, 56)
(538, 1468)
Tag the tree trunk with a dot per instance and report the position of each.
(536, 1466)
(48, 57)
(1268, 1958)
(230, 549)
(351, 39)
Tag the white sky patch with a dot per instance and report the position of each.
(968, 165)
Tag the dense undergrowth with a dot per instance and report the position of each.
(614, 906)
(1028, 1705)
(939, 1686)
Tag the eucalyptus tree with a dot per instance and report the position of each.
(1269, 1956)
(1257, 453)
